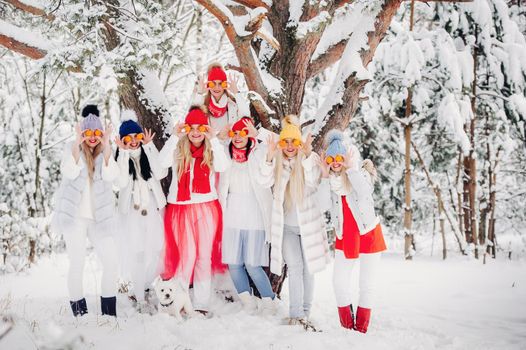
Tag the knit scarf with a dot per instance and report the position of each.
(141, 191)
(240, 154)
(201, 180)
(218, 110)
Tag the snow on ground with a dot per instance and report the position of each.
(423, 304)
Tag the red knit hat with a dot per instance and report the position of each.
(196, 117)
(216, 73)
(241, 124)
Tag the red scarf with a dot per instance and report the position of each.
(201, 181)
(216, 111)
(240, 154)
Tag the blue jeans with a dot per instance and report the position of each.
(258, 276)
(301, 282)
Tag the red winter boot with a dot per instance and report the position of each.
(363, 316)
(346, 316)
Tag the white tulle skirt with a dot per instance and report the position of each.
(244, 233)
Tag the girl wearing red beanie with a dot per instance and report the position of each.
(221, 97)
(193, 218)
(247, 207)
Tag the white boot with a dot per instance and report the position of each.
(248, 301)
(268, 306)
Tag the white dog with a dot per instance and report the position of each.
(173, 298)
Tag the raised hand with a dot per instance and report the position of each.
(108, 130)
(252, 131)
(272, 148)
(79, 135)
(210, 132)
(148, 136)
(325, 168)
(201, 84)
(306, 147)
(178, 130)
(232, 83)
(223, 134)
(348, 162)
(120, 143)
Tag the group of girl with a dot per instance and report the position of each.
(232, 197)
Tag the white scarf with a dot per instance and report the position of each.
(141, 190)
(336, 183)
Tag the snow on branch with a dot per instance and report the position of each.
(30, 7)
(313, 25)
(22, 41)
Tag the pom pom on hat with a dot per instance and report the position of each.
(290, 128)
(91, 118)
(335, 145)
(90, 109)
(128, 114)
(129, 123)
(196, 116)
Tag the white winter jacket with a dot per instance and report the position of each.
(359, 200)
(235, 110)
(125, 180)
(263, 194)
(310, 217)
(167, 157)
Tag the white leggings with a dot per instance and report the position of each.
(76, 249)
(343, 269)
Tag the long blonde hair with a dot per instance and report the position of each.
(183, 156)
(90, 157)
(295, 186)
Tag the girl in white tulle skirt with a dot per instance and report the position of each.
(247, 210)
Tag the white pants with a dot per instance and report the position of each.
(343, 270)
(76, 249)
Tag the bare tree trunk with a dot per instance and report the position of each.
(443, 214)
(470, 166)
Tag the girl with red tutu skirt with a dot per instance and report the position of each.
(193, 219)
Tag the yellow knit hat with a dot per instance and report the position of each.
(290, 128)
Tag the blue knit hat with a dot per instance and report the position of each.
(335, 144)
(91, 118)
(129, 123)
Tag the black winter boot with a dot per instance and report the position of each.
(109, 306)
(79, 307)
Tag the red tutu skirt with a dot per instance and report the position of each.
(192, 232)
(352, 243)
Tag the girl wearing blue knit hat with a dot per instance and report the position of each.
(358, 232)
(141, 205)
(84, 208)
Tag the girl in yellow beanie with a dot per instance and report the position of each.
(298, 236)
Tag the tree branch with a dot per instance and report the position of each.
(20, 5)
(328, 58)
(252, 3)
(22, 48)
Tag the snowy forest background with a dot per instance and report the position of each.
(442, 114)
